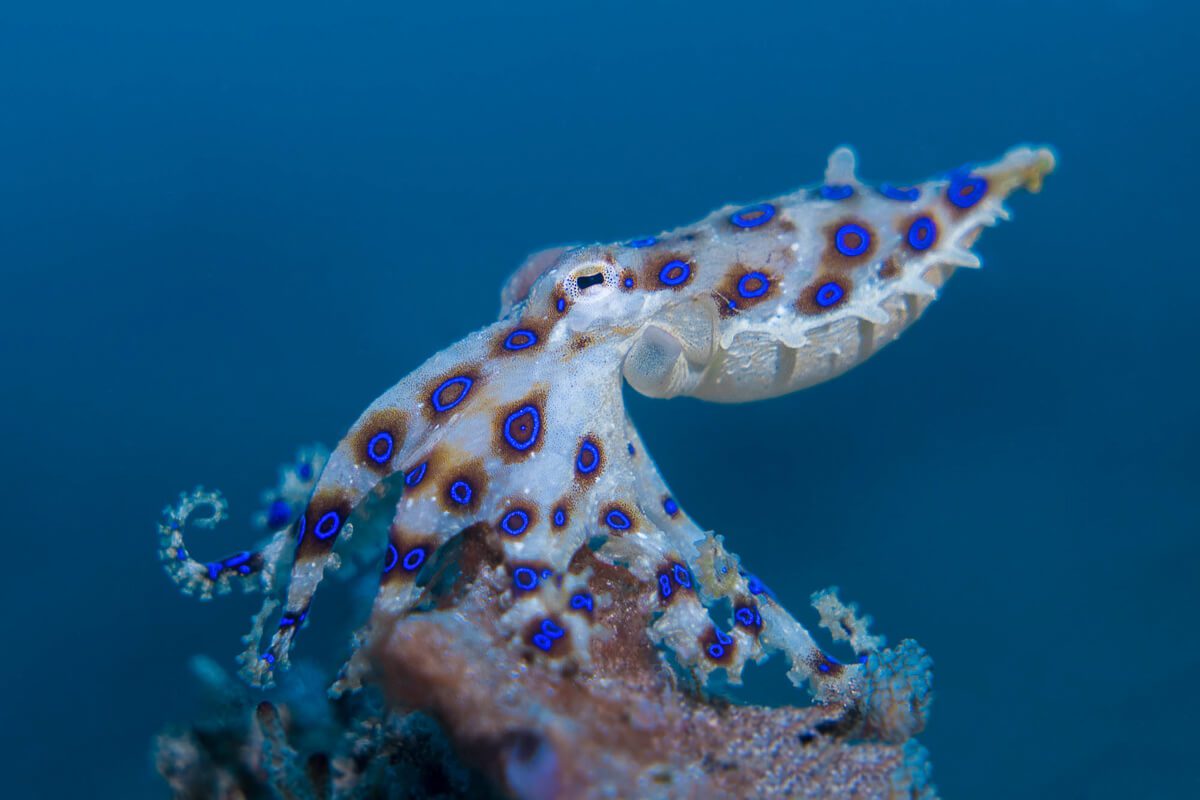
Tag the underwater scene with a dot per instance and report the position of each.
(493, 400)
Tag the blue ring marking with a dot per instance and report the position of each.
(560, 517)
(525, 579)
(552, 629)
(287, 621)
(764, 283)
(513, 417)
(921, 233)
(214, 570)
(905, 194)
(716, 652)
(648, 241)
(618, 520)
(304, 470)
(824, 667)
(753, 216)
(664, 586)
(301, 525)
(561, 305)
(747, 617)
(670, 506)
(628, 283)
(583, 602)
(829, 294)
(965, 189)
(415, 476)
(682, 576)
(674, 273)
(722, 636)
(278, 514)
(542, 641)
(460, 380)
(393, 558)
(838, 191)
(588, 447)
(372, 447)
(324, 531)
(460, 492)
(546, 573)
(631, 450)
(529, 340)
(269, 658)
(413, 559)
(848, 230)
(515, 522)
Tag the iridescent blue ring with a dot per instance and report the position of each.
(829, 294)
(922, 233)
(414, 558)
(840, 240)
(628, 282)
(515, 522)
(746, 617)
(965, 189)
(327, 525)
(460, 492)
(648, 241)
(416, 475)
(373, 447)
(682, 576)
(535, 424)
(542, 641)
(674, 273)
(560, 305)
(525, 579)
(664, 586)
(588, 448)
(764, 283)
(520, 339)
(582, 602)
(836, 191)
(560, 517)
(670, 506)
(460, 380)
(552, 629)
(618, 520)
(905, 194)
(393, 557)
(716, 652)
(753, 216)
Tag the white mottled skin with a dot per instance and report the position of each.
(665, 343)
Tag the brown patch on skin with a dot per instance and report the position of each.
(668, 585)
(750, 620)
(823, 665)
(563, 505)
(589, 459)
(391, 421)
(516, 504)
(435, 461)
(652, 272)
(807, 303)
(452, 394)
(611, 520)
(525, 422)
(742, 280)
(557, 296)
(832, 258)
(891, 268)
(407, 563)
(535, 635)
(581, 342)
(957, 212)
(627, 280)
(520, 333)
(777, 224)
(710, 644)
(337, 501)
(905, 225)
(464, 487)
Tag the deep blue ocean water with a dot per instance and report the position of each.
(224, 230)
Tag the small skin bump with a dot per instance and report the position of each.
(743, 287)
(827, 293)
(377, 440)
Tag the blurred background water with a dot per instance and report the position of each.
(224, 230)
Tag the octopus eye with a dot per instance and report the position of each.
(585, 282)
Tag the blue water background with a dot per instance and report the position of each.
(224, 230)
